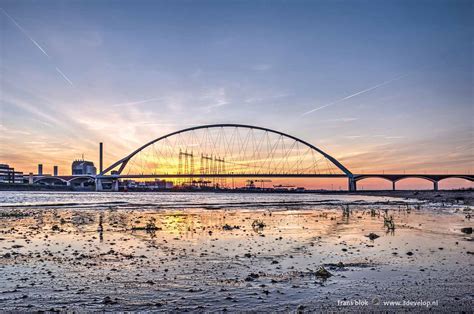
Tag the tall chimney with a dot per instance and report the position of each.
(55, 171)
(101, 157)
(40, 169)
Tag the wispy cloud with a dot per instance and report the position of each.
(134, 103)
(169, 124)
(64, 76)
(31, 108)
(37, 45)
(217, 97)
(25, 32)
(355, 94)
(343, 119)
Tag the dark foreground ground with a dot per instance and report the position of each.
(330, 257)
(461, 197)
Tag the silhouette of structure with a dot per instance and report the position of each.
(236, 151)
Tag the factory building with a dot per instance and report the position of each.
(83, 167)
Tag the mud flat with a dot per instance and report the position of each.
(442, 196)
(356, 257)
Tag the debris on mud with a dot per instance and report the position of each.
(149, 227)
(229, 227)
(389, 223)
(345, 210)
(372, 236)
(252, 277)
(202, 257)
(108, 300)
(258, 224)
(322, 273)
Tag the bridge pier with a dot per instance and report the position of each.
(98, 185)
(393, 185)
(435, 185)
(352, 184)
(115, 185)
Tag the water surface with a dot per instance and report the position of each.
(218, 251)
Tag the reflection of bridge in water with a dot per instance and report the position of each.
(220, 151)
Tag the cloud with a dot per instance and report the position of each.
(216, 97)
(134, 103)
(25, 33)
(64, 76)
(37, 45)
(355, 94)
(31, 108)
(343, 119)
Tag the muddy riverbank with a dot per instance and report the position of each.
(333, 256)
(465, 197)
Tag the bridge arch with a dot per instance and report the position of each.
(410, 182)
(362, 177)
(371, 178)
(467, 178)
(415, 177)
(259, 151)
(49, 178)
(456, 182)
(84, 178)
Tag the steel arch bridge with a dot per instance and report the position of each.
(224, 151)
(220, 151)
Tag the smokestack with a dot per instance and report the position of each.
(40, 169)
(101, 157)
(55, 171)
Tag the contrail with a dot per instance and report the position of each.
(64, 76)
(37, 45)
(135, 102)
(25, 33)
(355, 94)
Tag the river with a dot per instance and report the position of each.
(232, 251)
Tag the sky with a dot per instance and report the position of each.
(380, 85)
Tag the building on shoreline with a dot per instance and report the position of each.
(148, 185)
(9, 175)
(83, 167)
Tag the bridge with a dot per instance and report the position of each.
(220, 151)
(80, 180)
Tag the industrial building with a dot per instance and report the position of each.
(83, 167)
(9, 175)
(148, 185)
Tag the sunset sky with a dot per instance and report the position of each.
(379, 85)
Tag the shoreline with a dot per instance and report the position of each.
(217, 261)
(461, 196)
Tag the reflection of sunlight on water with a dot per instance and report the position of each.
(190, 250)
(174, 223)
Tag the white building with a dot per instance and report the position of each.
(9, 175)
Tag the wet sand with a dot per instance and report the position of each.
(267, 259)
(442, 197)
